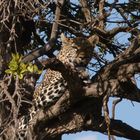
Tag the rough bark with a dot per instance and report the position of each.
(81, 108)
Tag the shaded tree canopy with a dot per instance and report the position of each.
(30, 34)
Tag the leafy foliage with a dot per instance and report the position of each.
(18, 68)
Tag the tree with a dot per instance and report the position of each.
(30, 29)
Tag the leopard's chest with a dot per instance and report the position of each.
(51, 89)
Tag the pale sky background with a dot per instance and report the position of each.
(125, 110)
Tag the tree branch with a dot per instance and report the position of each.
(48, 48)
(86, 10)
(66, 116)
(84, 118)
(57, 17)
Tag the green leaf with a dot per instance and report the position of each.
(17, 67)
(39, 71)
(15, 73)
(16, 57)
(20, 76)
(13, 65)
(23, 68)
(35, 68)
(30, 68)
(8, 71)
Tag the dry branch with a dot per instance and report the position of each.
(86, 10)
(47, 48)
(106, 82)
(83, 118)
(81, 108)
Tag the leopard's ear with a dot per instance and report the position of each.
(64, 39)
(94, 39)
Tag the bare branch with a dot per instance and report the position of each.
(76, 120)
(47, 48)
(86, 10)
(57, 17)
(115, 102)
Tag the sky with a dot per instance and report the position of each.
(126, 111)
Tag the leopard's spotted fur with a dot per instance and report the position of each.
(75, 53)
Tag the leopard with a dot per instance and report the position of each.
(76, 53)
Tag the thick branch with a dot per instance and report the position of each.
(48, 47)
(86, 10)
(84, 118)
(110, 33)
(92, 91)
(57, 17)
(39, 52)
(110, 70)
(115, 89)
(67, 108)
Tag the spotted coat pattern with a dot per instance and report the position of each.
(75, 53)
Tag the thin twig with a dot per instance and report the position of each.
(115, 102)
